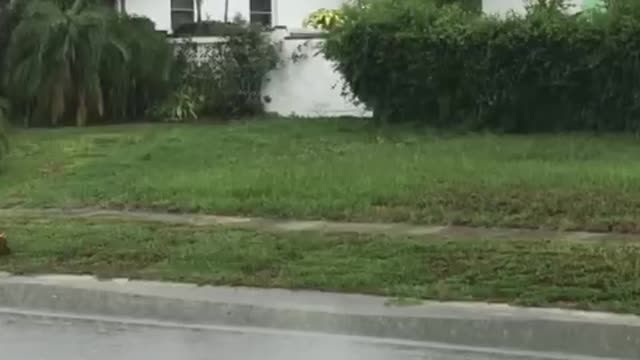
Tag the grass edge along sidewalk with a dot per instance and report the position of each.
(589, 275)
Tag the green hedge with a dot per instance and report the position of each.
(447, 67)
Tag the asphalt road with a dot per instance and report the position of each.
(49, 338)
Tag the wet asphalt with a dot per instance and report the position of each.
(53, 338)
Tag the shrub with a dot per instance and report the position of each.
(449, 67)
(136, 83)
(209, 28)
(324, 19)
(229, 74)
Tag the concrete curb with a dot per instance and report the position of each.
(474, 325)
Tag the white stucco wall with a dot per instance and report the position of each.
(502, 7)
(308, 87)
(159, 11)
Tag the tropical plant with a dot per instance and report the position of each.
(185, 104)
(54, 60)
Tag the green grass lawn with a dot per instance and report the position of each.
(332, 169)
(586, 275)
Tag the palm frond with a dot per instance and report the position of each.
(54, 59)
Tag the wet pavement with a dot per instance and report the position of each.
(44, 338)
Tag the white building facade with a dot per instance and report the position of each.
(169, 14)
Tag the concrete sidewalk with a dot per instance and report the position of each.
(461, 324)
(293, 225)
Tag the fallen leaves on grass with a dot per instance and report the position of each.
(4, 245)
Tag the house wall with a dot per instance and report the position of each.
(159, 11)
(502, 7)
(289, 13)
(308, 86)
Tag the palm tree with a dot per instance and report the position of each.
(54, 60)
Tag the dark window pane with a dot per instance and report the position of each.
(182, 4)
(263, 19)
(179, 18)
(261, 5)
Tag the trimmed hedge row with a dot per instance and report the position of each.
(447, 67)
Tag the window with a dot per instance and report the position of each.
(260, 12)
(182, 12)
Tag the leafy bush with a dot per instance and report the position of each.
(448, 67)
(209, 28)
(324, 19)
(229, 74)
(623, 7)
(136, 83)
